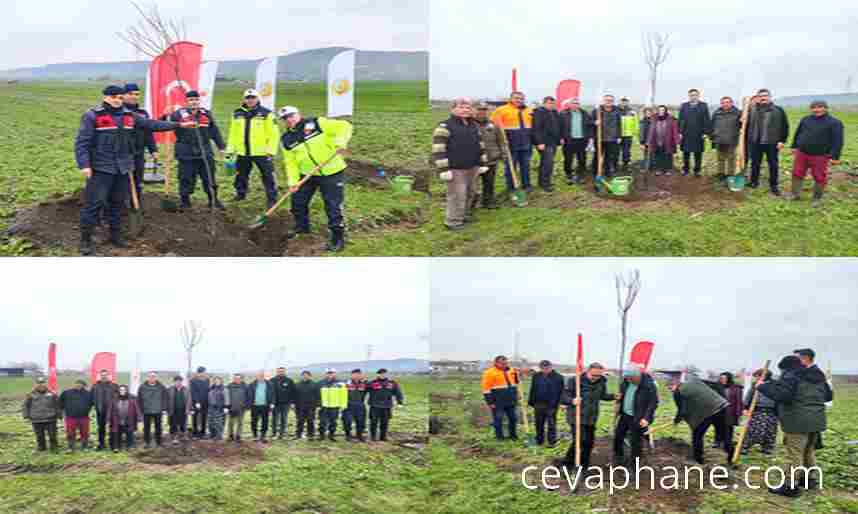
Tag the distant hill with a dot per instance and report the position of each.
(309, 65)
(842, 99)
(395, 366)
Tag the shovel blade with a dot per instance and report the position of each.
(135, 223)
(519, 197)
(259, 222)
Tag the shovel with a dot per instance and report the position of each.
(519, 196)
(262, 220)
(599, 182)
(135, 215)
(529, 441)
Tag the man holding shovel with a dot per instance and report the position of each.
(309, 144)
(701, 407)
(253, 137)
(517, 120)
(104, 151)
(143, 139)
(197, 130)
(611, 122)
(594, 389)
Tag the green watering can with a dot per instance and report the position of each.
(736, 183)
(620, 186)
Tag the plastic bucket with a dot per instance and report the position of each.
(736, 183)
(402, 184)
(620, 186)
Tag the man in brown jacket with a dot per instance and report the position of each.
(495, 145)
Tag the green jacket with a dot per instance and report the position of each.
(630, 126)
(253, 133)
(42, 407)
(313, 142)
(800, 397)
(696, 401)
(592, 392)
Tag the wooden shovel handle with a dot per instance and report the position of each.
(134, 200)
(737, 450)
(303, 181)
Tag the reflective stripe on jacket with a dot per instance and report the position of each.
(253, 132)
(313, 142)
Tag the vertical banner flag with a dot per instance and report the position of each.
(103, 360)
(642, 354)
(579, 362)
(52, 367)
(135, 381)
(171, 75)
(515, 79)
(208, 76)
(266, 83)
(341, 84)
(567, 90)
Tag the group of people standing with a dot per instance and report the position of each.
(114, 137)
(475, 139)
(211, 407)
(795, 401)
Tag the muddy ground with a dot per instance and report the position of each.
(196, 232)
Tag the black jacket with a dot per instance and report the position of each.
(464, 143)
(546, 390)
(646, 398)
(592, 392)
(546, 127)
(284, 390)
(103, 394)
(187, 142)
(237, 397)
(144, 138)
(105, 139)
(778, 125)
(819, 135)
(200, 390)
(357, 392)
(612, 124)
(382, 392)
(76, 403)
(269, 392)
(566, 124)
(308, 394)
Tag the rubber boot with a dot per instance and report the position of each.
(71, 443)
(215, 203)
(795, 194)
(348, 436)
(186, 202)
(338, 240)
(117, 239)
(87, 245)
(360, 437)
(84, 445)
(331, 437)
(818, 191)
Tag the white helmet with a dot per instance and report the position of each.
(287, 111)
(251, 93)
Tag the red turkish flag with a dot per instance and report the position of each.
(567, 90)
(580, 361)
(103, 360)
(171, 75)
(52, 367)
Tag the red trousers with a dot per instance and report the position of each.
(818, 165)
(73, 425)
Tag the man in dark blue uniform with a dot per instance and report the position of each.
(143, 139)
(104, 151)
(197, 129)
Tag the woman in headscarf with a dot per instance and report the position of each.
(733, 394)
(662, 141)
(763, 425)
(123, 414)
(217, 406)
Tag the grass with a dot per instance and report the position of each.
(294, 477)
(472, 472)
(575, 222)
(392, 126)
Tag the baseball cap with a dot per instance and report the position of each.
(330, 370)
(544, 364)
(287, 111)
(41, 380)
(251, 93)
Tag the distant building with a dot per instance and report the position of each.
(12, 372)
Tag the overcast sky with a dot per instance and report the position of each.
(715, 313)
(39, 33)
(793, 47)
(321, 310)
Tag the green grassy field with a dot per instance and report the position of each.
(288, 477)
(471, 472)
(392, 127)
(574, 221)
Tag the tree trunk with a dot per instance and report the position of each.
(653, 79)
(622, 345)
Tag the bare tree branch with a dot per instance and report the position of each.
(656, 49)
(191, 336)
(627, 293)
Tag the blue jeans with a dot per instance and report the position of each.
(354, 413)
(104, 192)
(498, 414)
(627, 149)
(522, 158)
(332, 188)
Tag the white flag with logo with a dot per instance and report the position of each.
(341, 84)
(208, 76)
(266, 83)
(135, 381)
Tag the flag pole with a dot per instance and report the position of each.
(578, 403)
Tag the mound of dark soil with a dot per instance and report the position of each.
(365, 173)
(195, 452)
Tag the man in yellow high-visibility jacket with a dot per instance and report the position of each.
(308, 144)
(253, 138)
